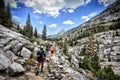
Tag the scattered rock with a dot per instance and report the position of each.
(17, 48)
(10, 55)
(15, 69)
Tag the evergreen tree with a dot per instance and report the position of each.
(31, 31)
(2, 12)
(8, 18)
(85, 63)
(91, 46)
(35, 33)
(70, 41)
(44, 32)
(75, 40)
(92, 51)
(65, 46)
(28, 29)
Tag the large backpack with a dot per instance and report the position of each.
(40, 55)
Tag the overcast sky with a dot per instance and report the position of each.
(56, 14)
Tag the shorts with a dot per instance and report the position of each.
(41, 61)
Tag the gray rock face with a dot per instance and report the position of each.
(25, 53)
(1, 51)
(17, 48)
(108, 45)
(10, 55)
(4, 62)
(17, 67)
(5, 41)
(7, 47)
(13, 50)
(13, 43)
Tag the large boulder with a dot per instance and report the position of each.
(10, 55)
(17, 48)
(25, 53)
(4, 62)
(15, 69)
(13, 43)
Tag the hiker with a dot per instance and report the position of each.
(52, 49)
(40, 58)
(47, 47)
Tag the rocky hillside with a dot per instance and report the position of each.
(109, 18)
(17, 61)
(17, 53)
(108, 44)
(14, 51)
(105, 42)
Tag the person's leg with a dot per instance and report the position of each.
(42, 64)
(38, 68)
(38, 65)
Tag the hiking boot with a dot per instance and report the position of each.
(41, 70)
(37, 73)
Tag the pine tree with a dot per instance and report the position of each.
(35, 33)
(44, 32)
(8, 18)
(92, 51)
(75, 41)
(2, 12)
(85, 63)
(31, 31)
(65, 46)
(91, 46)
(28, 29)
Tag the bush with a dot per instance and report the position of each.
(107, 74)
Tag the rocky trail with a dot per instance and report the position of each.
(16, 62)
(17, 57)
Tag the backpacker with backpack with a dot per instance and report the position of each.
(52, 49)
(40, 55)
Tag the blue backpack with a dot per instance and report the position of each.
(40, 55)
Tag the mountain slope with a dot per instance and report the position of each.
(101, 32)
(70, 31)
(57, 35)
(109, 17)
